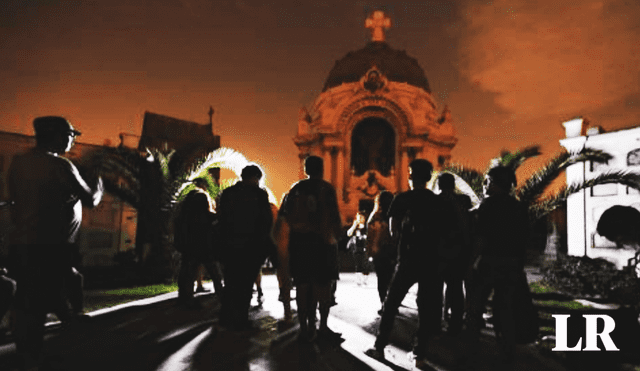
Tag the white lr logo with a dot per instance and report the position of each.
(591, 333)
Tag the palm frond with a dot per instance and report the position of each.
(588, 154)
(541, 208)
(224, 158)
(473, 177)
(514, 160)
(120, 171)
(538, 182)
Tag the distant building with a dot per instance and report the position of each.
(375, 115)
(190, 139)
(585, 208)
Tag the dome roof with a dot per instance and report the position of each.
(396, 65)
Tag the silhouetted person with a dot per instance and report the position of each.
(193, 238)
(502, 236)
(421, 220)
(357, 246)
(246, 220)
(380, 245)
(7, 293)
(456, 252)
(311, 211)
(47, 193)
(281, 238)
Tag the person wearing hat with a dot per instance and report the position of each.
(47, 194)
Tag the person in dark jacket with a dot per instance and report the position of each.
(246, 221)
(502, 234)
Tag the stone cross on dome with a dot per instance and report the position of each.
(377, 23)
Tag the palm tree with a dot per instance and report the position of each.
(532, 189)
(149, 183)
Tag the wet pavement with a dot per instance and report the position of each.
(156, 334)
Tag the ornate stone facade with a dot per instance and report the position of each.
(369, 130)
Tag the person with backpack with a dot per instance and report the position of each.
(245, 219)
(421, 221)
(311, 212)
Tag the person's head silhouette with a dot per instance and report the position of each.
(446, 182)
(419, 173)
(313, 166)
(54, 133)
(251, 174)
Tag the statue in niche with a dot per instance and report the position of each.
(371, 187)
(373, 81)
(373, 147)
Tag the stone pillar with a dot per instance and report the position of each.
(404, 170)
(326, 157)
(340, 166)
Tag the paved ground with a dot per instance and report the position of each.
(155, 334)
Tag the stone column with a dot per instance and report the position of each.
(326, 156)
(340, 166)
(404, 170)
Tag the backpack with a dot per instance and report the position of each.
(422, 226)
(303, 211)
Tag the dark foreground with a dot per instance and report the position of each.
(156, 334)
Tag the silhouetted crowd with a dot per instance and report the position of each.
(417, 236)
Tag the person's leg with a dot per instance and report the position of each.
(323, 294)
(29, 336)
(401, 282)
(507, 278)
(303, 301)
(231, 272)
(248, 273)
(455, 299)
(185, 279)
(7, 295)
(284, 296)
(75, 292)
(384, 273)
(480, 287)
(199, 277)
(429, 303)
(259, 283)
(213, 269)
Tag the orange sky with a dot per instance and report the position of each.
(510, 71)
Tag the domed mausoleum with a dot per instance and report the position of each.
(374, 116)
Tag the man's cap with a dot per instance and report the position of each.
(53, 124)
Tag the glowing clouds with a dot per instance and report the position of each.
(543, 57)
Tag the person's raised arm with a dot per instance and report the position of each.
(90, 197)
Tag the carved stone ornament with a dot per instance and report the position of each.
(373, 80)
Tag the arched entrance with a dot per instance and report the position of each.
(373, 146)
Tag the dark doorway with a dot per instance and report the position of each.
(373, 143)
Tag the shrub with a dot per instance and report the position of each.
(592, 278)
(126, 258)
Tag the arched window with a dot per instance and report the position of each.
(633, 157)
(373, 146)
